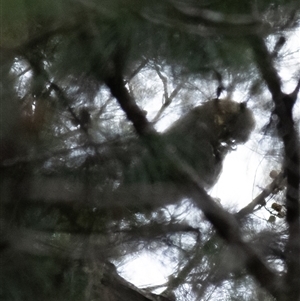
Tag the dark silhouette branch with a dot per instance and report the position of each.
(168, 101)
(260, 199)
(78, 120)
(283, 109)
(133, 112)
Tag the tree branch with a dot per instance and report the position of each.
(260, 199)
(168, 102)
(283, 109)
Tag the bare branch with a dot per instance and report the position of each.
(193, 262)
(164, 82)
(260, 199)
(134, 113)
(283, 109)
(168, 102)
(143, 63)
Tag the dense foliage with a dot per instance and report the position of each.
(92, 173)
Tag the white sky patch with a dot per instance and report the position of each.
(145, 270)
(242, 171)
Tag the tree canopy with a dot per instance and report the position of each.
(95, 169)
